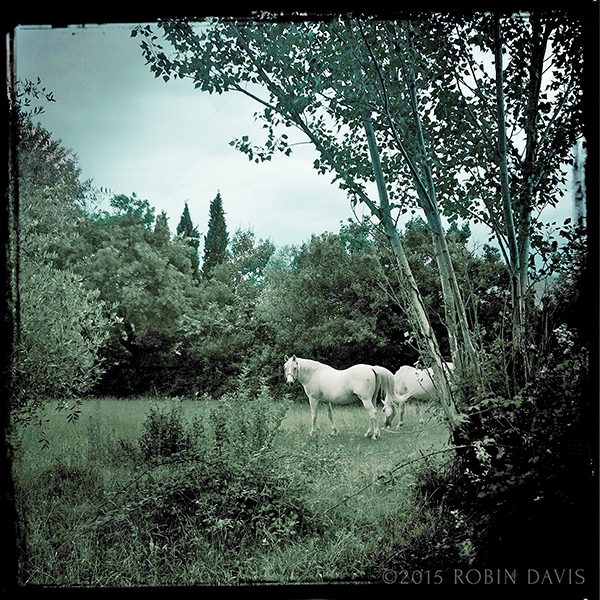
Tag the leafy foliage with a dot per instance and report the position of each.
(128, 211)
(330, 296)
(527, 462)
(224, 476)
(162, 234)
(63, 328)
(64, 325)
(526, 457)
(165, 433)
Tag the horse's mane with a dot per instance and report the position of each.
(308, 362)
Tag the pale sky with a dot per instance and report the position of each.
(169, 143)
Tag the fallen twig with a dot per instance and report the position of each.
(419, 430)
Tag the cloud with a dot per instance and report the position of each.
(169, 143)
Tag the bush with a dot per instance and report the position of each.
(524, 487)
(63, 327)
(165, 433)
(223, 478)
(534, 464)
(224, 505)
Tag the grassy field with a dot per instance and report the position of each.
(83, 498)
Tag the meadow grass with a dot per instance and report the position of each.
(77, 499)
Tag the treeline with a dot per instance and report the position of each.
(113, 304)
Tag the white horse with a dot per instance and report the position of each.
(412, 384)
(323, 383)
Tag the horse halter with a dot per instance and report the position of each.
(293, 372)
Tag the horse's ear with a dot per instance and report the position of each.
(294, 358)
(286, 358)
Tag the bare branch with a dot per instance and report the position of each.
(390, 472)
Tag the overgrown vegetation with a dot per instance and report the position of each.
(528, 460)
(247, 497)
(224, 476)
(113, 303)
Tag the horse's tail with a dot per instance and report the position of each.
(377, 391)
(385, 386)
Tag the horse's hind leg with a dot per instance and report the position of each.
(373, 425)
(334, 429)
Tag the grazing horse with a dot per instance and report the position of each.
(323, 383)
(412, 384)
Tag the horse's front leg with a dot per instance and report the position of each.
(334, 429)
(401, 415)
(314, 407)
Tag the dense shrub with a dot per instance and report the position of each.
(166, 432)
(223, 504)
(532, 465)
(220, 478)
(63, 328)
(524, 489)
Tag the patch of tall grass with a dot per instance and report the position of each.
(171, 492)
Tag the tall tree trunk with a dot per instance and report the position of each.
(456, 317)
(383, 212)
(417, 302)
(513, 246)
(539, 42)
(579, 185)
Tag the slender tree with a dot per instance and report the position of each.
(162, 235)
(524, 114)
(217, 238)
(187, 230)
(407, 134)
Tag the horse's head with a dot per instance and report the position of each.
(389, 411)
(290, 369)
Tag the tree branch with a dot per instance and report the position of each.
(393, 470)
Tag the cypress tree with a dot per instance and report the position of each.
(162, 235)
(187, 230)
(216, 240)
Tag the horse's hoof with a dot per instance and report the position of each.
(334, 433)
